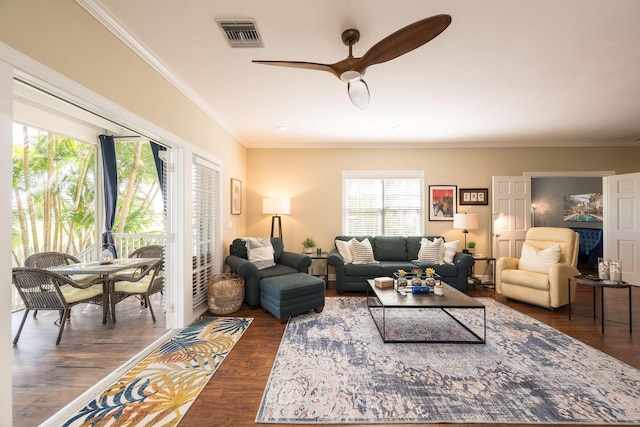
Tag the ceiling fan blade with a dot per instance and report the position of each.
(358, 93)
(299, 64)
(352, 69)
(404, 40)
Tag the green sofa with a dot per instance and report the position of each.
(394, 253)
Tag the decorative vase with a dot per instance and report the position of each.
(416, 281)
(308, 250)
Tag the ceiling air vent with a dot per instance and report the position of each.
(240, 32)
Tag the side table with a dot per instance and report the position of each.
(323, 256)
(490, 268)
(594, 282)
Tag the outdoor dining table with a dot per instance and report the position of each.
(105, 271)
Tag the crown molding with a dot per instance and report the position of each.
(96, 9)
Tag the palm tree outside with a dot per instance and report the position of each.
(54, 190)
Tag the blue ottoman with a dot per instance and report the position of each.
(292, 294)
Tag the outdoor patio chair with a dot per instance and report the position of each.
(44, 290)
(50, 259)
(142, 282)
(53, 259)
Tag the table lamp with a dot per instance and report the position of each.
(465, 222)
(276, 207)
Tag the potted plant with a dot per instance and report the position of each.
(308, 244)
(472, 247)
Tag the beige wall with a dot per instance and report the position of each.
(65, 38)
(312, 178)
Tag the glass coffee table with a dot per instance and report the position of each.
(453, 318)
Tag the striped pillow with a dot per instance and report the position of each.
(362, 252)
(431, 252)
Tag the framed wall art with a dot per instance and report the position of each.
(236, 196)
(583, 207)
(442, 202)
(473, 196)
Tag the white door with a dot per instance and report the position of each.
(511, 214)
(622, 223)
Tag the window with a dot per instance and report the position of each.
(388, 203)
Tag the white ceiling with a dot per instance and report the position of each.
(505, 72)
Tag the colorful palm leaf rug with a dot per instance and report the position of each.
(160, 389)
(333, 368)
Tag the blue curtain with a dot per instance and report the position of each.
(156, 148)
(110, 170)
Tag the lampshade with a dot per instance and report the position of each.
(276, 206)
(465, 221)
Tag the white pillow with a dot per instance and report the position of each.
(534, 259)
(450, 249)
(362, 252)
(430, 252)
(345, 250)
(260, 252)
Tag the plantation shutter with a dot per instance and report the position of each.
(383, 203)
(364, 206)
(204, 223)
(402, 207)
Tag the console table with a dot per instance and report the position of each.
(594, 282)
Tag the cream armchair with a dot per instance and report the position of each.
(540, 276)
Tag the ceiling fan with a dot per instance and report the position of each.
(352, 69)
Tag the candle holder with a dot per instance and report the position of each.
(603, 268)
(615, 271)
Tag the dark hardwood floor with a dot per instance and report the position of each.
(46, 378)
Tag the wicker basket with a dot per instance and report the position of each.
(226, 292)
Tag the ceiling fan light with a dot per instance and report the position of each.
(358, 93)
(350, 76)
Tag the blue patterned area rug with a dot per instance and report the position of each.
(332, 367)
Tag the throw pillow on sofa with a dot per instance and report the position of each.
(430, 252)
(362, 252)
(450, 249)
(345, 249)
(260, 252)
(539, 261)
